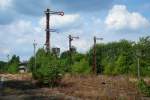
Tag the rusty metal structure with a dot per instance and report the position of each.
(48, 13)
(56, 51)
(34, 51)
(70, 46)
(94, 69)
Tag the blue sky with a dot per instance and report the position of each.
(23, 21)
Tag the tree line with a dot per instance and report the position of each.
(113, 58)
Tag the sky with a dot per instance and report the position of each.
(23, 21)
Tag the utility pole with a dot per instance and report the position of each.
(7, 60)
(94, 54)
(34, 46)
(8, 57)
(70, 46)
(138, 61)
(48, 13)
(138, 53)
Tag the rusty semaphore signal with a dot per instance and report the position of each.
(48, 13)
(94, 55)
(70, 46)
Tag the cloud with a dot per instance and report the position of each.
(37, 7)
(5, 4)
(82, 5)
(31, 7)
(6, 18)
(14, 9)
(4, 51)
(119, 18)
(18, 37)
(6, 11)
(25, 23)
(82, 44)
(61, 22)
(22, 32)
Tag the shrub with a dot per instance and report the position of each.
(108, 70)
(143, 87)
(13, 64)
(49, 70)
(50, 74)
(13, 68)
(81, 67)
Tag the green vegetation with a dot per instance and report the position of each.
(143, 87)
(48, 69)
(13, 64)
(2, 68)
(81, 67)
(10, 66)
(121, 57)
(113, 58)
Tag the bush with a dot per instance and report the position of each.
(108, 70)
(13, 68)
(81, 67)
(49, 70)
(13, 64)
(143, 87)
(50, 74)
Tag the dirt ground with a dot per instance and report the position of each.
(23, 87)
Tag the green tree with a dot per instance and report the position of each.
(81, 67)
(143, 49)
(49, 69)
(13, 64)
(3, 66)
(121, 65)
(31, 64)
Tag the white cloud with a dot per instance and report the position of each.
(21, 26)
(82, 44)
(5, 3)
(18, 37)
(4, 51)
(61, 21)
(120, 18)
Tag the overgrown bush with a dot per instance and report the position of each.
(121, 57)
(143, 87)
(49, 69)
(13, 64)
(109, 69)
(81, 67)
(50, 74)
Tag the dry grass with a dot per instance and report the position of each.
(100, 87)
(84, 88)
(24, 76)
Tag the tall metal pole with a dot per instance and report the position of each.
(70, 50)
(48, 13)
(94, 69)
(8, 57)
(70, 47)
(138, 61)
(138, 53)
(94, 56)
(7, 60)
(34, 45)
